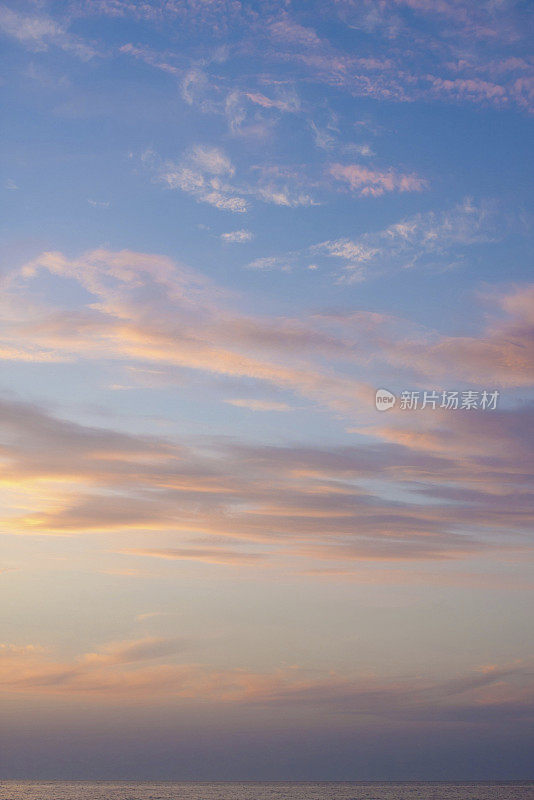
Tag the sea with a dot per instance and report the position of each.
(168, 790)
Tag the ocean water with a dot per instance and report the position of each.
(133, 790)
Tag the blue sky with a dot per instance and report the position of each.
(226, 224)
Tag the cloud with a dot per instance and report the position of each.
(151, 57)
(213, 555)
(247, 119)
(373, 183)
(99, 203)
(207, 173)
(143, 312)
(282, 196)
(39, 32)
(148, 615)
(194, 86)
(238, 237)
(403, 49)
(284, 263)
(476, 698)
(468, 88)
(211, 160)
(290, 32)
(127, 326)
(248, 114)
(259, 405)
(133, 652)
(287, 101)
(485, 20)
(417, 52)
(292, 502)
(284, 186)
(430, 240)
(501, 356)
(204, 172)
(120, 323)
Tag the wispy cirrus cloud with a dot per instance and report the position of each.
(237, 237)
(396, 68)
(374, 183)
(162, 61)
(286, 507)
(285, 101)
(98, 203)
(296, 501)
(502, 354)
(204, 172)
(208, 174)
(475, 697)
(216, 16)
(485, 20)
(278, 352)
(429, 240)
(115, 324)
(418, 51)
(258, 405)
(39, 32)
(206, 555)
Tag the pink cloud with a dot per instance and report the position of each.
(373, 183)
(469, 88)
(503, 355)
(289, 104)
(481, 693)
(290, 32)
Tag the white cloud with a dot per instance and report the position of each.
(236, 204)
(286, 100)
(203, 172)
(207, 173)
(259, 405)
(195, 85)
(429, 239)
(237, 236)
(284, 263)
(37, 33)
(283, 196)
(211, 160)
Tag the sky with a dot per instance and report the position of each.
(226, 225)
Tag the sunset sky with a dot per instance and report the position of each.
(225, 225)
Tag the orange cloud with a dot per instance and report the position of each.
(120, 673)
(309, 504)
(179, 319)
(204, 554)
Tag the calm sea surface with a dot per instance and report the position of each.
(123, 790)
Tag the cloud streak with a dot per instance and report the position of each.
(294, 504)
(429, 240)
(374, 183)
(119, 672)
